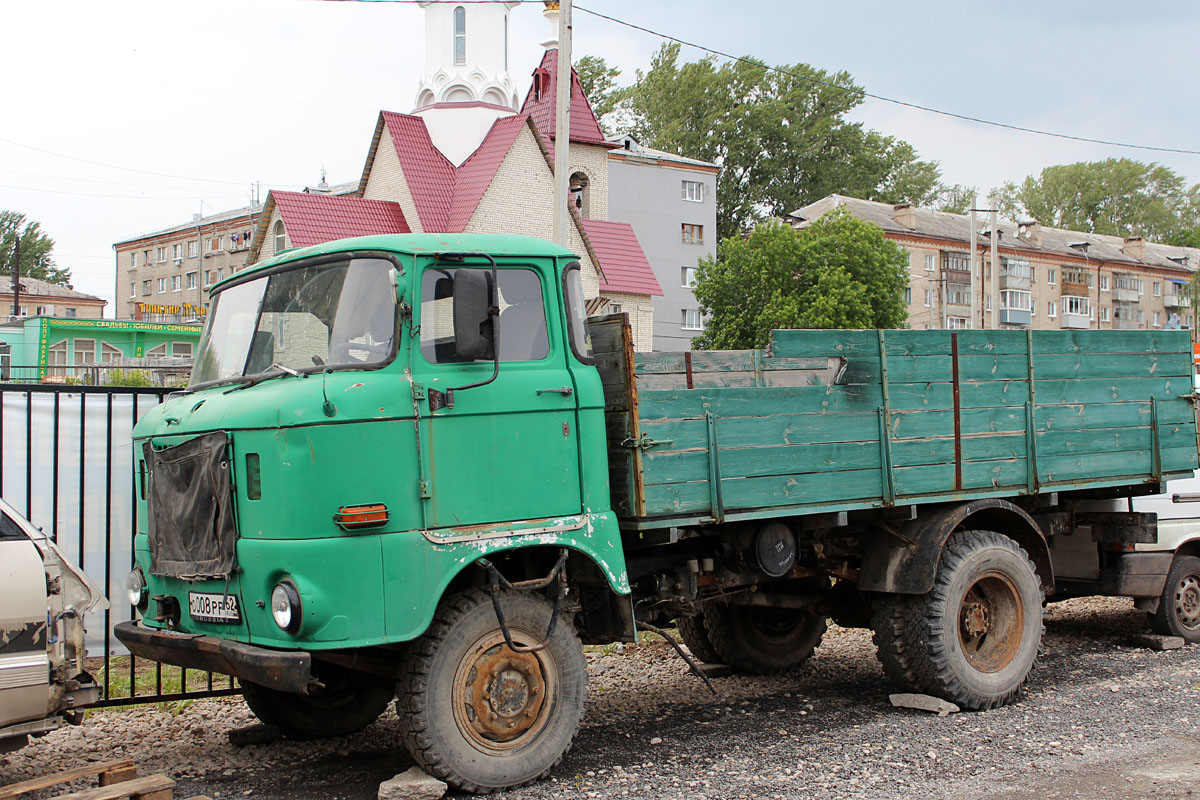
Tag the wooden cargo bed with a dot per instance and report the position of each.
(842, 420)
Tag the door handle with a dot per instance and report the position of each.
(565, 391)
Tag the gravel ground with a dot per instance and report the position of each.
(1098, 712)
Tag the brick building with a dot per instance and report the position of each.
(1047, 278)
(42, 298)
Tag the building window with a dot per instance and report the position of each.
(162, 285)
(280, 237)
(1052, 308)
(1033, 307)
(192, 248)
(1104, 283)
(85, 351)
(57, 358)
(70, 312)
(578, 194)
(214, 244)
(159, 351)
(956, 323)
(177, 252)
(460, 35)
(693, 191)
(928, 298)
(1157, 289)
(133, 290)
(929, 261)
(181, 349)
(688, 277)
(956, 261)
(691, 320)
(109, 353)
(191, 280)
(1032, 274)
(693, 234)
(145, 287)
(1141, 317)
(908, 296)
(1076, 305)
(175, 282)
(1050, 275)
(958, 294)
(162, 254)
(1157, 320)
(133, 260)
(615, 308)
(1104, 313)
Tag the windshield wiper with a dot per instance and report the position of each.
(262, 376)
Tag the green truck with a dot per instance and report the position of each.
(412, 468)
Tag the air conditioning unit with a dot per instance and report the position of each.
(178, 261)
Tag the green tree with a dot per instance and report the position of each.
(956, 199)
(780, 136)
(599, 82)
(1117, 196)
(36, 247)
(838, 272)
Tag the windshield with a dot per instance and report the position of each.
(334, 314)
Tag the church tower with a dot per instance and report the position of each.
(466, 85)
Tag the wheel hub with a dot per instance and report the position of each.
(502, 694)
(976, 619)
(1187, 601)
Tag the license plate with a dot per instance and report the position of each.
(213, 607)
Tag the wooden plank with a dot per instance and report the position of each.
(939, 478)
(921, 423)
(682, 404)
(1135, 342)
(151, 787)
(787, 491)
(795, 343)
(755, 431)
(723, 361)
(679, 466)
(121, 767)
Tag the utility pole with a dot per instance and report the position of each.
(995, 237)
(562, 123)
(16, 274)
(971, 262)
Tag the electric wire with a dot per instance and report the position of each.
(121, 196)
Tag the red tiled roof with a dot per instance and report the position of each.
(623, 265)
(540, 107)
(474, 175)
(317, 218)
(429, 174)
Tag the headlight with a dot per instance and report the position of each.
(135, 586)
(285, 606)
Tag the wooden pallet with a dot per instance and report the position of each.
(117, 780)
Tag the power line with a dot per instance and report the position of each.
(120, 196)
(863, 93)
(126, 169)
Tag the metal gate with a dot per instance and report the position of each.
(66, 462)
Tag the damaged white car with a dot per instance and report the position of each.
(43, 598)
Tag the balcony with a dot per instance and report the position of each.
(1176, 301)
(1072, 288)
(1126, 288)
(1013, 316)
(1125, 325)
(1075, 321)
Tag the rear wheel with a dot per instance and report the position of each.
(691, 629)
(349, 702)
(762, 641)
(974, 637)
(480, 716)
(1179, 608)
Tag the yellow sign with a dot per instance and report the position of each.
(185, 308)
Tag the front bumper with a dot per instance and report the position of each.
(274, 669)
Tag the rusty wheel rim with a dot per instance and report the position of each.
(991, 622)
(501, 698)
(1187, 601)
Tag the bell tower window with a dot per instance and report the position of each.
(578, 191)
(460, 36)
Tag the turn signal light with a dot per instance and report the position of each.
(364, 516)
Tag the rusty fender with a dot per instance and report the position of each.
(905, 561)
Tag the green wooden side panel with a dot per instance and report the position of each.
(952, 417)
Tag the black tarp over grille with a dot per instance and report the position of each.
(191, 523)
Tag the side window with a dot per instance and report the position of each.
(10, 530)
(523, 333)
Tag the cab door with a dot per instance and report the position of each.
(24, 659)
(507, 450)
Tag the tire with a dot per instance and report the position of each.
(691, 629)
(892, 615)
(975, 636)
(349, 702)
(480, 717)
(1179, 608)
(762, 641)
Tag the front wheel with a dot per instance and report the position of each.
(349, 702)
(480, 716)
(1179, 608)
(974, 637)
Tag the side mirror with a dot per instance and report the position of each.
(474, 329)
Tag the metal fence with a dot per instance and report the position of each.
(66, 462)
(136, 374)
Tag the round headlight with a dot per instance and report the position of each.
(135, 587)
(285, 606)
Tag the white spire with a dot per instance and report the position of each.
(466, 85)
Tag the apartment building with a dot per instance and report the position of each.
(1045, 278)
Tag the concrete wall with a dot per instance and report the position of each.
(647, 195)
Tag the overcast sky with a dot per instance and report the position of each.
(215, 95)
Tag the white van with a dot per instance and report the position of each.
(43, 597)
